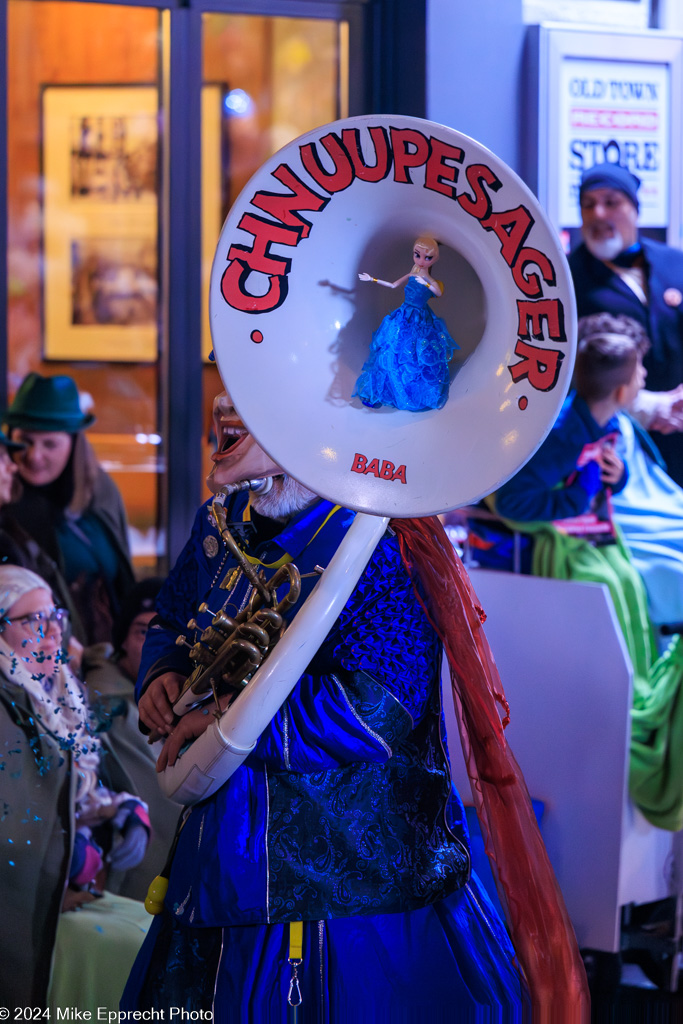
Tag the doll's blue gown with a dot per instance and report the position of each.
(409, 354)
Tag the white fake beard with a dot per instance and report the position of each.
(286, 497)
(605, 249)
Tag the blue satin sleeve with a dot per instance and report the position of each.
(175, 606)
(332, 720)
(161, 654)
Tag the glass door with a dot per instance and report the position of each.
(265, 81)
(83, 216)
(116, 193)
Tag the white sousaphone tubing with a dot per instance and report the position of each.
(291, 328)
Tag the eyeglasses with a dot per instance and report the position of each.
(39, 622)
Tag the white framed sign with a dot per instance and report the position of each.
(618, 111)
(616, 97)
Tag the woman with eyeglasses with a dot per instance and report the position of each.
(60, 826)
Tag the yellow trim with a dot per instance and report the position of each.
(296, 940)
(324, 523)
(268, 565)
(288, 558)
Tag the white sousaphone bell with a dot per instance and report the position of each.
(292, 325)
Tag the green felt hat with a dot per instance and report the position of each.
(47, 403)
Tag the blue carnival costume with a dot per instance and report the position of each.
(409, 355)
(600, 290)
(343, 817)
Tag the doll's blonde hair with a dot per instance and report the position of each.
(429, 244)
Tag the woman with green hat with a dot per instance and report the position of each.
(17, 547)
(69, 505)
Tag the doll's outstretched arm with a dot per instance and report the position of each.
(385, 284)
(435, 287)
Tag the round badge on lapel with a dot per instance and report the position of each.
(210, 545)
(673, 297)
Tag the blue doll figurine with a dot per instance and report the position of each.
(411, 348)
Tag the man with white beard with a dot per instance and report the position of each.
(617, 271)
(342, 817)
(330, 873)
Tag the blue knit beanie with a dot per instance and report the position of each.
(610, 175)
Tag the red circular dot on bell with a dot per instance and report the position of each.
(256, 337)
(523, 402)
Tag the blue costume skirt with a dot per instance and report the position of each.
(450, 961)
(409, 355)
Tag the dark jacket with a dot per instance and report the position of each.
(17, 547)
(550, 486)
(41, 516)
(600, 290)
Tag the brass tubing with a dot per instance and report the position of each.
(234, 549)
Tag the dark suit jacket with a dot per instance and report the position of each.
(600, 290)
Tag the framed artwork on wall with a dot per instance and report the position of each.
(100, 147)
(100, 160)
